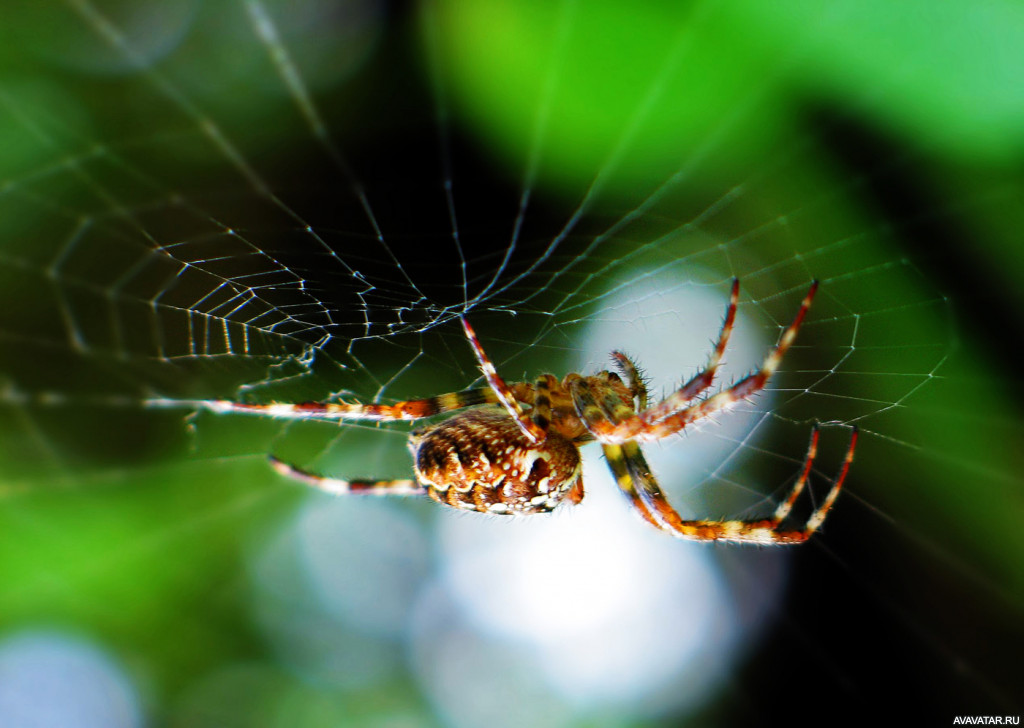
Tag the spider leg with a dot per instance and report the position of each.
(654, 424)
(700, 381)
(705, 377)
(408, 410)
(505, 397)
(786, 506)
(347, 487)
(818, 517)
(619, 458)
(611, 408)
(575, 494)
(656, 509)
(634, 380)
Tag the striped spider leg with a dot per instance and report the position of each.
(634, 475)
(699, 382)
(407, 410)
(626, 460)
(671, 415)
(410, 410)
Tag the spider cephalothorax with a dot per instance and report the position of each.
(514, 449)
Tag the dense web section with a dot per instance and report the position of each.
(268, 241)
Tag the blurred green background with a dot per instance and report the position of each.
(163, 163)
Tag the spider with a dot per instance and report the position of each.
(514, 448)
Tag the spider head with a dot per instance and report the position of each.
(480, 460)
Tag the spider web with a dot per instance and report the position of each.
(305, 223)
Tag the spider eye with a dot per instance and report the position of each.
(613, 377)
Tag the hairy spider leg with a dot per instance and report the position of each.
(626, 460)
(617, 457)
(348, 487)
(739, 531)
(705, 377)
(408, 410)
(529, 428)
(589, 410)
(786, 506)
(646, 427)
(635, 479)
(698, 383)
(620, 458)
(634, 378)
(818, 517)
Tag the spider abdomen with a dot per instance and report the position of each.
(480, 460)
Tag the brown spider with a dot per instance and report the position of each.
(496, 457)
